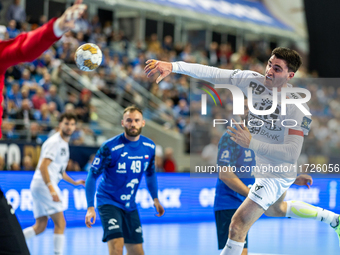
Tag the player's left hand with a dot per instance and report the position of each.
(241, 135)
(304, 180)
(159, 207)
(79, 182)
(67, 20)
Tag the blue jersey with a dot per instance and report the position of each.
(122, 163)
(232, 154)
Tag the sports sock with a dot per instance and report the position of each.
(232, 248)
(298, 209)
(29, 233)
(58, 240)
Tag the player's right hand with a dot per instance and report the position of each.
(54, 194)
(154, 66)
(91, 214)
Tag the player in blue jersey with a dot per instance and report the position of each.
(234, 183)
(122, 160)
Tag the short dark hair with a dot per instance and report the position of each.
(132, 108)
(68, 116)
(292, 58)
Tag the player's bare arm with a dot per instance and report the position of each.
(67, 178)
(46, 177)
(90, 217)
(159, 207)
(233, 182)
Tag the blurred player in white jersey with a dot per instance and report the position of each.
(275, 144)
(44, 186)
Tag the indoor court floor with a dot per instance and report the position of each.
(268, 236)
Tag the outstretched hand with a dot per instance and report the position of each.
(67, 20)
(241, 135)
(154, 66)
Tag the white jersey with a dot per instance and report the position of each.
(57, 150)
(271, 132)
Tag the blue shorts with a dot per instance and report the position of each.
(223, 220)
(118, 223)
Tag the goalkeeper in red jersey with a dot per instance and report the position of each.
(25, 48)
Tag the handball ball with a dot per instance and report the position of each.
(88, 57)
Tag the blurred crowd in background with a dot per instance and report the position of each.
(31, 92)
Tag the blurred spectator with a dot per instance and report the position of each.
(27, 164)
(87, 167)
(54, 97)
(53, 112)
(39, 99)
(15, 95)
(16, 12)
(8, 131)
(2, 164)
(83, 106)
(154, 45)
(46, 82)
(169, 164)
(167, 44)
(212, 54)
(209, 153)
(12, 29)
(25, 114)
(73, 166)
(15, 167)
(159, 159)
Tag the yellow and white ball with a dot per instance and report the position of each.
(88, 57)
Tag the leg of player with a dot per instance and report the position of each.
(59, 228)
(39, 227)
(116, 246)
(243, 219)
(134, 249)
(302, 210)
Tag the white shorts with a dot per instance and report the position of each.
(266, 191)
(43, 204)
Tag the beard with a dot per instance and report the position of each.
(65, 134)
(134, 133)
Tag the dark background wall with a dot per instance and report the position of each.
(323, 21)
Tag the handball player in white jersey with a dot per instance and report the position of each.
(44, 186)
(274, 145)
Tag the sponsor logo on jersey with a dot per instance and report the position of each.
(63, 152)
(146, 156)
(132, 183)
(139, 229)
(113, 223)
(135, 157)
(146, 164)
(247, 156)
(96, 161)
(306, 122)
(225, 156)
(123, 154)
(122, 165)
(117, 147)
(257, 187)
(121, 171)
(149, 144)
